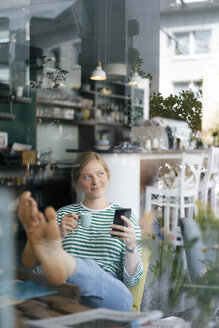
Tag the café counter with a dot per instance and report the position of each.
(130, 172)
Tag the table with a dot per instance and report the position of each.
(65, 301)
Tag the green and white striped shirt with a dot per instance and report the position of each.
(96, 243)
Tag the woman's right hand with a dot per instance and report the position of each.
(68, 223)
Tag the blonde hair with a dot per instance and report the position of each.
(81, 161)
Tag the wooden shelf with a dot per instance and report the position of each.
(15, 100)
(99, 118)
(109, 123)
(62, 104)
(64, 120)
(75, 122)
(22, 100)
(106, 95)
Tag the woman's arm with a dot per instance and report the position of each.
(132, 259)
(127, 234)
(67, 223)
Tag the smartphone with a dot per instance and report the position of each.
(117, 217)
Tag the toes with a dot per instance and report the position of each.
(24, 196)
(32, 202)
(41, 218)
(50, 213)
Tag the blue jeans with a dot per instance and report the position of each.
(99, 288)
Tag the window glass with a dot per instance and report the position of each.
(4, 29)
(202, 42)
(182, 43)
(4, 73)
(194, 42)
(189, 1)
(179, 86)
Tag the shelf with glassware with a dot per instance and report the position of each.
(122, 97)
(15, 100)
(65, 110)
(110, 113)
(110, 100)
(57, 104)
(7, 95)
(106, 93)
(49, 119)
(90, 111)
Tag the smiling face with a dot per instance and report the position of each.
(93, 180)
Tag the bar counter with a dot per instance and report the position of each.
(130, 172)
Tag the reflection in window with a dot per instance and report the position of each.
(76, 52)
(4, 73)
(179, 86)
(56, 54)
(189, 1)
(185, 86)
(4, 29)
(182, 43)
(201, 41)
(195, 42)
(4, 49)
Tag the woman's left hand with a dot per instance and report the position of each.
(126, 233)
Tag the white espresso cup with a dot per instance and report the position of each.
(155, 144)
(85, 219)
(19, 91)
(148, 144)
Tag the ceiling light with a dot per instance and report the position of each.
(135, 79)
(98, 74)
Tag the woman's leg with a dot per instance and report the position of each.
(99, 288)
(44, 241)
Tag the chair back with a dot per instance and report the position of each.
(190, 177)
(212, 170)
(209, 186)
(193, 243)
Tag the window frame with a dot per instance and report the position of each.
(190, 31)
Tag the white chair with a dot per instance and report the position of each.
(209, 186)
(178, 201)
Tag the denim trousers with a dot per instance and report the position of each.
(99, 288)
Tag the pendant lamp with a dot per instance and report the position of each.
(98, 74)
(135, 79)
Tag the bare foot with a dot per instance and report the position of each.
(24, 214)
(27, 207)
(45, 240)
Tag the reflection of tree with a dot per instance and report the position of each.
(187, 106)
(56, 77)
(134, 114)
(136, 63)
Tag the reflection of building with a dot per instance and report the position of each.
(210, 120)
(188, 43)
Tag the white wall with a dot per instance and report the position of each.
(124, 184)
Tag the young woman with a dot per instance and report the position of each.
(100, 261)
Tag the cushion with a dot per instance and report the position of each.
(137, 290)
(192, 239)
